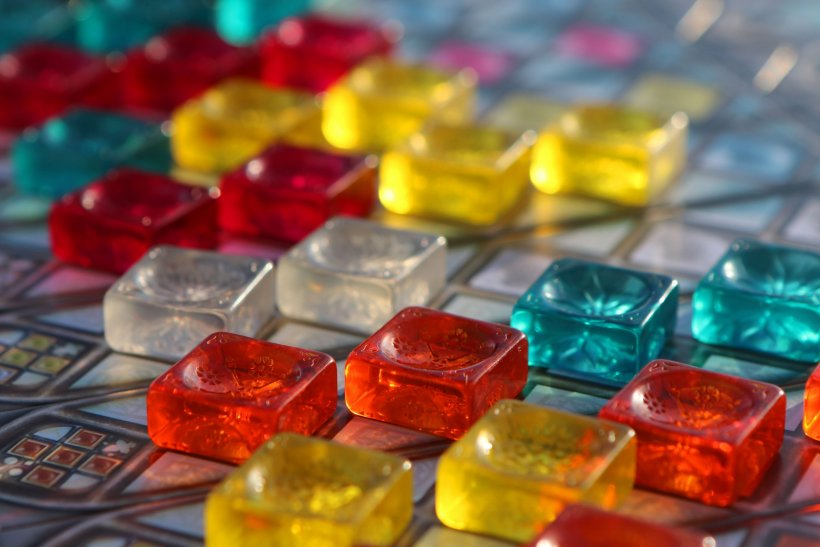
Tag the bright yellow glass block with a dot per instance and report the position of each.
(611, 152)
(382, 102)
(520, 112)
(471, 174)
(309, 492)
(234, 121)
(518, 467)
(669, 94)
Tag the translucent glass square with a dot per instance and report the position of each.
(589, 319)
(620, 154)
(357, 274)
(761, 297)
(297, 491)
(473, 174)
(518, 467)
(173, 298)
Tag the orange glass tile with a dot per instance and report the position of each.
(702, 435)
(226, 397)
(585, 526)
(811, 405)
(435, 372)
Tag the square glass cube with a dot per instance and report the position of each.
(381, 102)
(81, 146)
(669, 94)
(761, 297)
(312, 52)
(39, 81)
(518, 467)
(701, 434)
(231, 393)
(180, 64)
(297, 491)
(234, 121)
(112, 222)
(357, 274)
(611, 152)
(27, 21)
(472, 174)
(584, 526)
(435, 372)
(521, 112)
(108, 25)
(811, 405)
(287, 192)
(241, 21)
(592, 320)
(173, 298)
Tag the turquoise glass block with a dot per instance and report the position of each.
(596, 321)
(241, 21)
(68, 152)
(24, 21)
(761, 297)
(116, 25)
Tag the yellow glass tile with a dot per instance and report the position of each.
(234, 121)
(520, 112)
(670, 94)
(518, 467)
(611, 152)
(305, 491)
(382, 102)
(471, 174)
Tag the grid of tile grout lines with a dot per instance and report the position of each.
(76, 461)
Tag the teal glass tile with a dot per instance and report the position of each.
(596, 321)
(241, 21)
(116, 25)
(24, 21)
(68, 152)
(761, 297)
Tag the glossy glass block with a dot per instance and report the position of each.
(181, 64)
(669, 94)
(381, 102)
(592, 320)
(811, 405)
(241, 21)
(27, 21)
(585, 526)
(81, 146)
(307, 492)
(112, 222)
(173, 298)
(314, 51)
(521, 112)
(702, 435)
(233, 122)
(39, 81)
(611, 152)
(107, 25)
(471, 174)
(518, 467)
(761, 297)
(231, 393)
(357, 274)
(435, 372)
(287, 192)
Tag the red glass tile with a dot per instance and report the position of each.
(231, 393)
(85, 438)
(811, 405)
(435, 372)
(180, 64)
(39, 81)
(288, 192)
(43, 476)
(112, 222)
(313, 52)
(99, 465)
(28, 448)
(65, 456)
(584, 526)
(701, 435)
